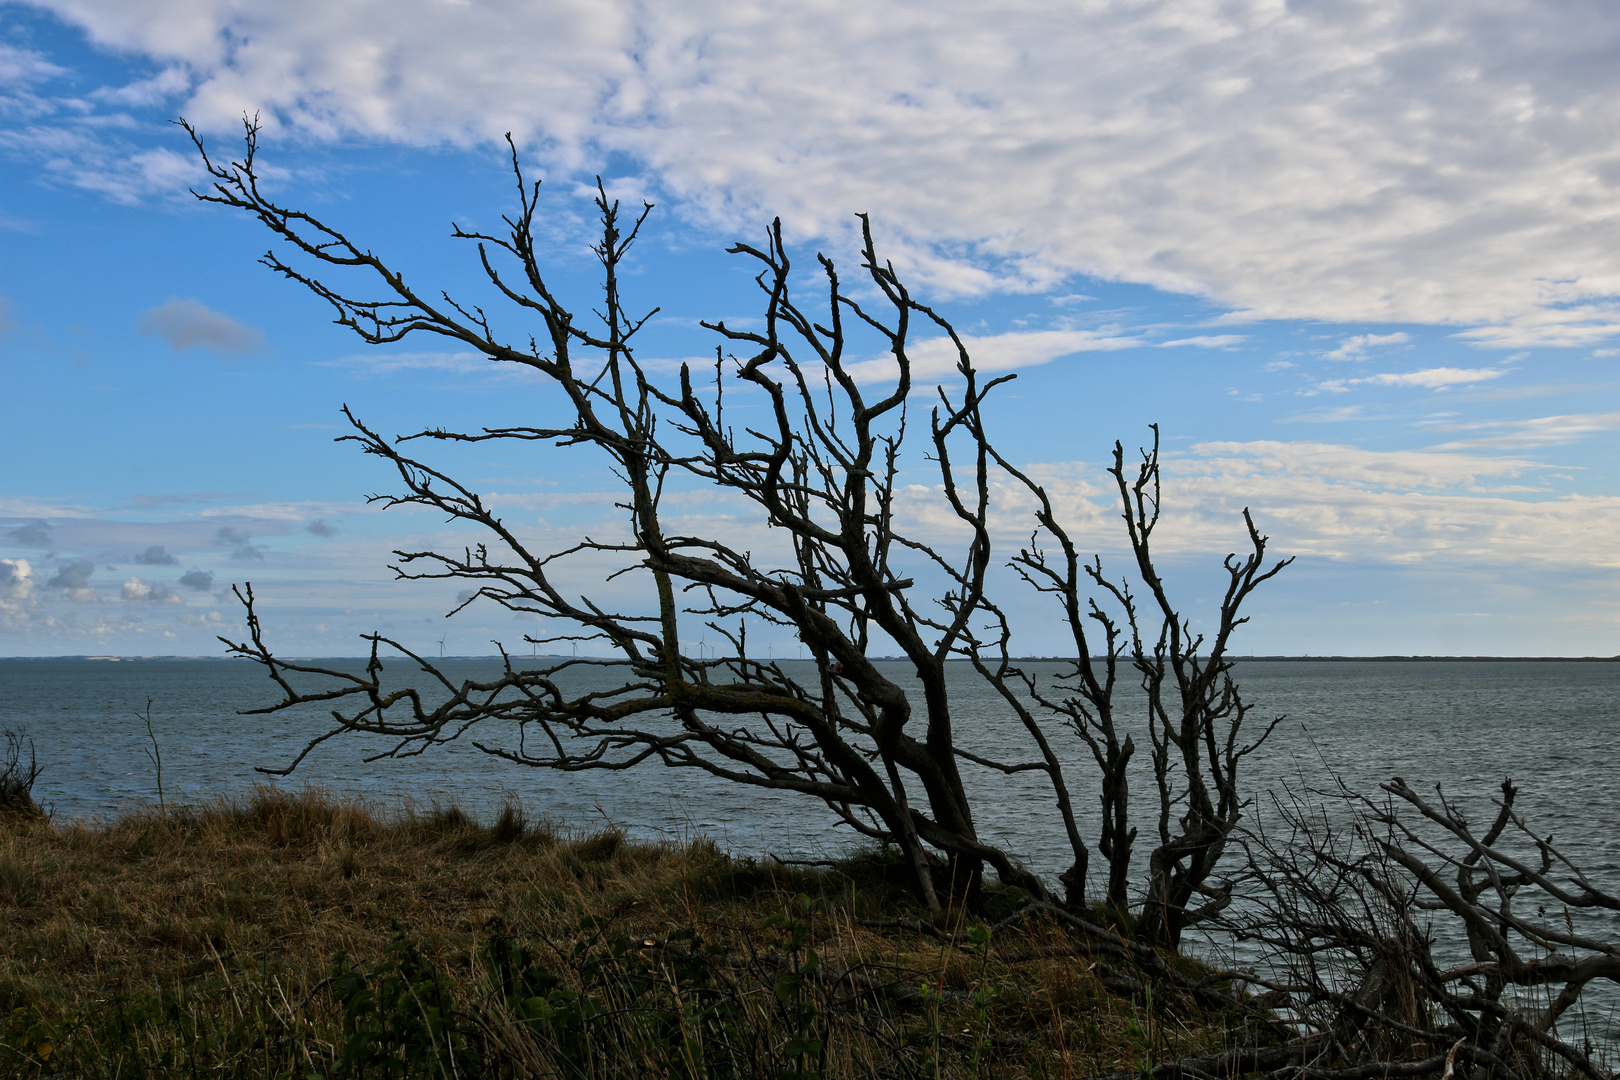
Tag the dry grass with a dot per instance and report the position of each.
(203, 941)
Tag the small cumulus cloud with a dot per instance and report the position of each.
(72, 575)
(73, 579)
(240, 541)
(137, 590)
(16, 579)
(16, 590)
(34, 534)
(197, 580)
(156, 555)
(320, 528)
(186, 324)
(1357, 347)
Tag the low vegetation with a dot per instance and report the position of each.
(305, 934)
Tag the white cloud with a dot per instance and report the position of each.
(153, 91)
(21, 68)
(1562, 320)
(186, 324)
(78, 151)
(1208, 341)
(936, 358)
(473, 365)
(1398, 470)
(136, 589)
(1430, 507)
(1356, 348)
(1344, 503)
(17, 581)
(1439, 378)
(72, 580)
(1522, 434)
(423, 73)
(1435, 378)
(1414, 160)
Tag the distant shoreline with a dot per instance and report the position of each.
(792, 660)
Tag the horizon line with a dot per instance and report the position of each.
(1278, 657)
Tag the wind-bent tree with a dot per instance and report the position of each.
(819, 468)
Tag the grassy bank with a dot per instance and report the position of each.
(297, 935)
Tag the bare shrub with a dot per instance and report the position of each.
(1349, 900)
(17, 777)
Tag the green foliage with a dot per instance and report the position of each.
(29, 1038)
(984, 995)
(806, 1045)
(176, 1031)
(399, 1020)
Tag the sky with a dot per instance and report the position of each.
(1359, 261)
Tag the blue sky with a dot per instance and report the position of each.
(1361, 262)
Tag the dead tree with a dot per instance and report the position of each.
(820, 472)
(1195, 712)
(1354, 912)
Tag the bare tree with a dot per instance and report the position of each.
(820, 472)
(1195, 711)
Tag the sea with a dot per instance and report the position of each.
(1454, 726)
(1553, 726)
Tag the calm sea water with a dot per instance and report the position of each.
(1551, 725)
